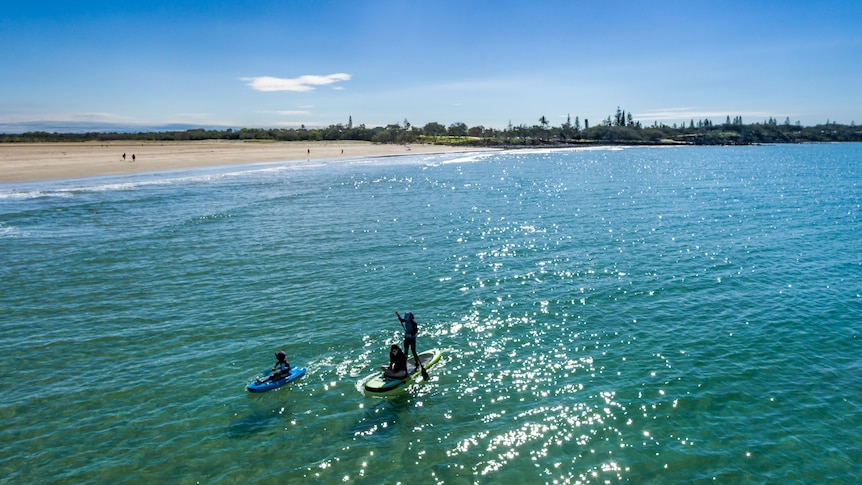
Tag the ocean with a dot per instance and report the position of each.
(607, 315)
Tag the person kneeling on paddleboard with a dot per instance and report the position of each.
(281, 367)
(397, 368)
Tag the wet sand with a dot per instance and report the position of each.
(33, 162)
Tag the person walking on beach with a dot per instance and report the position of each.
(124, 157)
(133, 157)
(411, 328)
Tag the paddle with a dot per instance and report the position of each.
(415, 356)
(260, 380)
(268, 378)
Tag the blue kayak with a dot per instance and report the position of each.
(263, 383)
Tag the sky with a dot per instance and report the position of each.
(141, 65)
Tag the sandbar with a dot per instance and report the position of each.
(38, 162)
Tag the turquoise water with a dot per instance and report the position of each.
(643, 315)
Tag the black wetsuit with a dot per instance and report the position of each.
(411, 328)
(397, 362)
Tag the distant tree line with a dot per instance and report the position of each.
(619, 128)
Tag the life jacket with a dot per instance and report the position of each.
(411, 328)
(281, 367)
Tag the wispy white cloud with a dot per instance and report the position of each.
(299, 84)
(287, 112)
(296, 124)
(84, 122)
(67, 117)
(108, 118)
(673, 114)
(194, 116)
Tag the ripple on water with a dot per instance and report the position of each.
(606, 315)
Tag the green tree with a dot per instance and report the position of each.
(476, 131)
(543, 124)
(523, 132)
(433, 129)
(566, 130)
(458, 129)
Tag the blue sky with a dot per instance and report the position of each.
(87, 64)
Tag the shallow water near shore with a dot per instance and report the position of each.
(644, 315)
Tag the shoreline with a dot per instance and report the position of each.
(42, 162)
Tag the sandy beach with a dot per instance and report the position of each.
(33, 162)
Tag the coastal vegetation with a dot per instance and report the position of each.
(620, 128)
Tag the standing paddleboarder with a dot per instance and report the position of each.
(411, 328)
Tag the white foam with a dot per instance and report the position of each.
(71, 187)
(473, 157)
